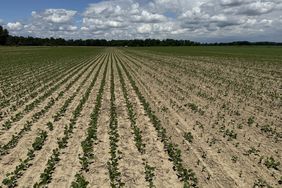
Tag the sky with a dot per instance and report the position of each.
(198, 20)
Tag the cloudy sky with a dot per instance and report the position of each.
(200, 20)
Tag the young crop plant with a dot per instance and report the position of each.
(271, 163)
(33, 90)
(149, 174)
(115, 175)
(11, 178)
(63, 109)
(27, 127)
(29, 107)
(79, 182)
(149, 170)
(252, 150)
(260, 183)
(230, 134)
(188, 136)
(50, 126)
(87, 144)
(251, 120)
(186, 175)
(234, 158)
(37, 145)
(194, 108)
(132, 116)
(46, 176)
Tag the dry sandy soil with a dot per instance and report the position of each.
(127, 118)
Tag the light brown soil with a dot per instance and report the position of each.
(170, 85)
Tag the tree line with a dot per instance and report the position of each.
(6, 39)
(4, 34)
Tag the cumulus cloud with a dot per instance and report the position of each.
(55, 15)
(148, 17)
(257, 8)
(51, 23)
(145, 28)
(202, 20)
(16, 26)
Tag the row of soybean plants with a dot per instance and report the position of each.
(115, 175)
(4, 149)
(29, 107)
(34, 79)
(46, 175)
(170, 78)
(185, 175)
(149, 170)
(91, 136)
(32, 90)
(11, 178)
(28, 90)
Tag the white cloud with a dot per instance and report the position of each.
(257, 8)
(51, 23)
(68, 28)
(148, 17)
(55, 15)
(16, 26)
(145, 28)
(180, 19)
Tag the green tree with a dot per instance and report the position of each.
(4, 34)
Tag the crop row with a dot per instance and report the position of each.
(115, 175)
(87, 143)
(30, 88)
(185, 175)
(28, 108)
(11, 178)
(149, 170)
(46, 176)
(27, 127)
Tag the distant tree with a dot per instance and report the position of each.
(4, 34)
(7, 39)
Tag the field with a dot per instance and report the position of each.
(141, 117)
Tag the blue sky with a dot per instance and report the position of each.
(200, 20)
(13, 10)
